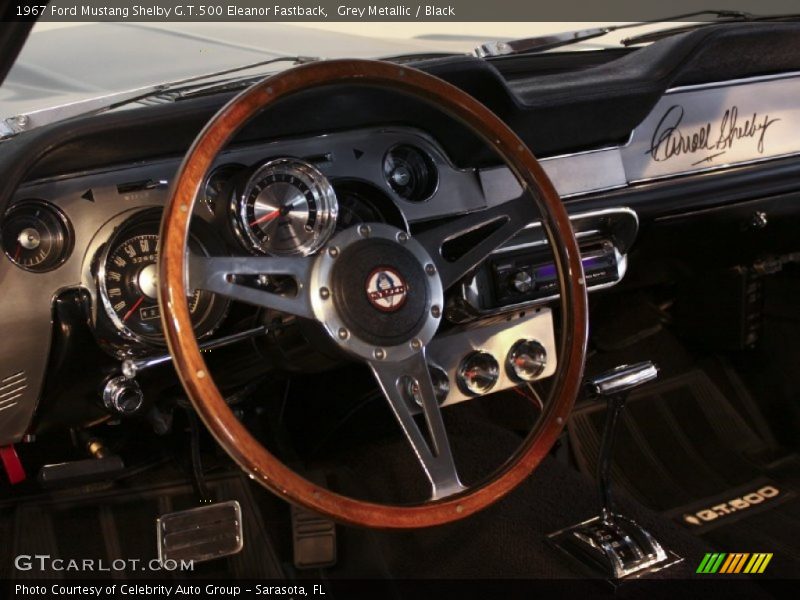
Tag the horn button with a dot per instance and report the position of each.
(380, 291)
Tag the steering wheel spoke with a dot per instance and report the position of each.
(497, 225)
(407, 383)
(232, 276)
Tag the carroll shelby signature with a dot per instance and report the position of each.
(669, 141)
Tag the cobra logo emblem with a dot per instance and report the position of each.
(386, 289)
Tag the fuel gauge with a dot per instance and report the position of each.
(36, 236)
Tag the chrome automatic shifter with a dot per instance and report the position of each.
(610, 543)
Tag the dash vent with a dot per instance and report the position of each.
(11, 389)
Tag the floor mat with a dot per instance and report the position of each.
(121, 524)
(687, 450)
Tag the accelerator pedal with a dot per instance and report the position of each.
(201, 534)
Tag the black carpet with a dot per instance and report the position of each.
(508, 540)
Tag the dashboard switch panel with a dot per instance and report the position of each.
(473, 356)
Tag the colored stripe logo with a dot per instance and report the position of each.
(735, 562)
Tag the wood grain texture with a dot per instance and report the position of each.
(256, 460)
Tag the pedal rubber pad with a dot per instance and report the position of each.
(201, 534)
(314, 539)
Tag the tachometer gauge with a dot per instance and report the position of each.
(288, 207)
(128, 284)
(36, 236)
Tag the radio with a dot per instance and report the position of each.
(523, 273)
(524, 276)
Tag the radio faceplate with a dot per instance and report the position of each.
(522, 273)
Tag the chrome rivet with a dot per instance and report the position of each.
(379, 353)
(416, 344)
(560, 420)
(201, 374)
(402, 237)
(184, 208)
(324, 293)
(430, 269)
(436, 312)
(22, 121)
(459, 508)
(364, 230)
(343, 333)
(333, 252)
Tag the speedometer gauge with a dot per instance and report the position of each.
(128, 283)
(131, 284)
(288, 207)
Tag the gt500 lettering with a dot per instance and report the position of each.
(733, 505)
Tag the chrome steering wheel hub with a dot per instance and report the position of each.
(377, 293)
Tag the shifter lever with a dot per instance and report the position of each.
(610, 542)
(615, 385)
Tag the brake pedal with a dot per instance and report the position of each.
(201, 534)
(314, 539)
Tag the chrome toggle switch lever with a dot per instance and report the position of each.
(610, 542)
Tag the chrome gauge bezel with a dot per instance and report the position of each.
(316, 184)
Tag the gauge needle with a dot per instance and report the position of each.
(17, 253)
(282, 211)
(133, 308)
(267, 217)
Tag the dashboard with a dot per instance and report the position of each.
(97, 230)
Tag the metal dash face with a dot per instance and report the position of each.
(708, 127)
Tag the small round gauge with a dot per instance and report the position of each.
(216, 184)
(128, 282)
(526, 360)
(36, 236)
(288, 208)
(478, 373)
(410, 172)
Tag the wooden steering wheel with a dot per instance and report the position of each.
(326, 294)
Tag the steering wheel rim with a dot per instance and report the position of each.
(251, 456)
